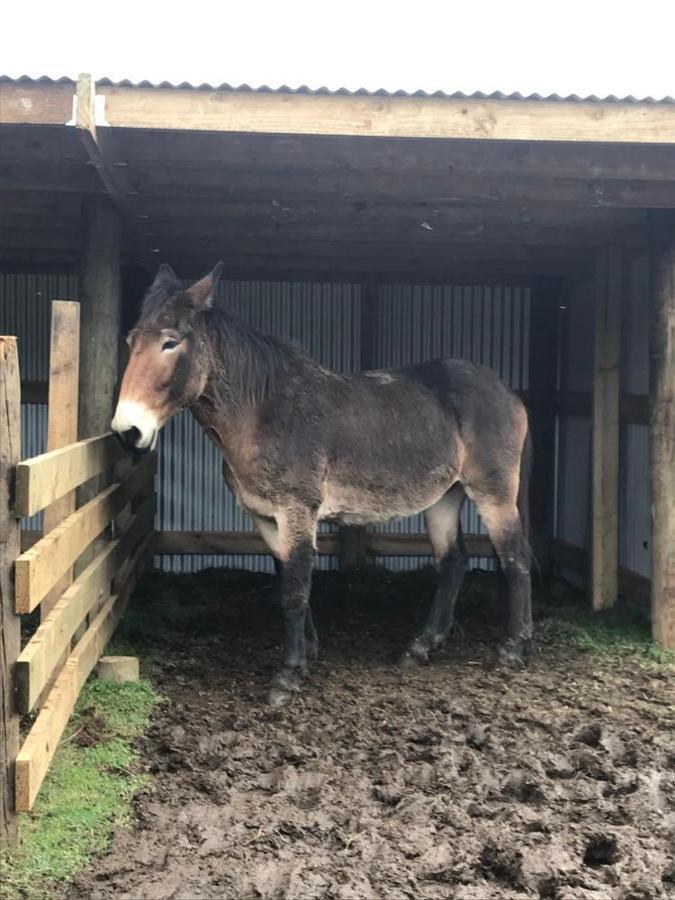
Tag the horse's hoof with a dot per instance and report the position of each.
(278, 697)
(415, 656)
(510, 655)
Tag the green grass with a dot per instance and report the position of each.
(86, 793)
(615, 634)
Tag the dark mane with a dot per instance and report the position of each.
(248, 363)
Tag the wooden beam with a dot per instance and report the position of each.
(38, 569)
(290, 189)
(662, 430)
(631, 585)
(307, 154)
(546, 298)
(100, 300)
(64, 370)
(286, 113)
(428, 117)
(353, 540)
(633, 408)
(223, 542)
(10, 623)
(605, 475)
(35, 103)
(43, 479)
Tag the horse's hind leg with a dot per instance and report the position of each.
(506, 533)
(443, 526)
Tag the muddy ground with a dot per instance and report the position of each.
(458, 780)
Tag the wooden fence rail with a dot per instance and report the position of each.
(110, 538)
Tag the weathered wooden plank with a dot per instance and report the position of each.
(100, 299)
(191, 542)
(633, 408)
(42, 653)
(266, 153)
(631, 585)
(605, 487)
(662, 430)
(64, 367)
(429, 117)
(43, 479)
(38, 569)
(39, 747)
(44, 104)
(546, 297)
(10, 624)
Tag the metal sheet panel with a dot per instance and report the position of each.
(33, 442)
(25, 311)
(574, 467)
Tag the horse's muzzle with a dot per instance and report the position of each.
(129, 440)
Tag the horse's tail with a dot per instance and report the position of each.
(524, 490)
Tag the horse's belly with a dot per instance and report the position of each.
(354, 506)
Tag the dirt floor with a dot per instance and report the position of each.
(458, 780)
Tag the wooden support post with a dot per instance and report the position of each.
(64, 367)
(100, 300)
(10, 627)
(353, 539)
(662, 429)
(547, 294)
(605, 490)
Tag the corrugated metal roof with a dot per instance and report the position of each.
(360, 92)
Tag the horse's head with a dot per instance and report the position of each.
(168, 362)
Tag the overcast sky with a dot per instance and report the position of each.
(589, 47)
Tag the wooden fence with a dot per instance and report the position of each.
(80, 573)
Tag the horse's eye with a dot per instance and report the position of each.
(169, 345)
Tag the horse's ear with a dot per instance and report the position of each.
(165, 276)
(201, 293)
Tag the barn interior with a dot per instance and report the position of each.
(534, 235)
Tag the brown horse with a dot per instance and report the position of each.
(302, 444)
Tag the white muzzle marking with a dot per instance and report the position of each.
(130, 414)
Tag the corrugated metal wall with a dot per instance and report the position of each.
(485, 324)
(574, 451)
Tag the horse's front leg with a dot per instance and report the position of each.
(296, 545)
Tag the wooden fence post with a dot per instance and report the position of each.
(10, 623)
(605, 488)
(542, 381)
(662, 428)
(101, 279)
(64, 368)
(353, 540)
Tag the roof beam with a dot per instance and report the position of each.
(379, 116)
(279, 112)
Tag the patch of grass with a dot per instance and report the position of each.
(614, 634)
(86, 793)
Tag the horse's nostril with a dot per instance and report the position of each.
(129, 438)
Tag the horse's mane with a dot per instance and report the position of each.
(252, 363)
